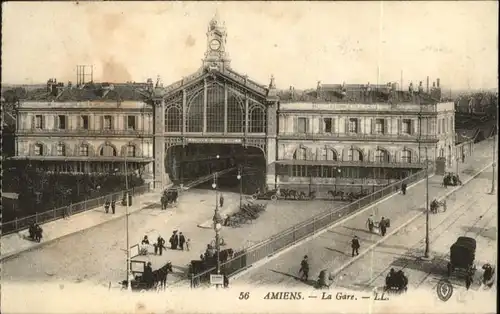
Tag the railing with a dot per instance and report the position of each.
(347, 163)
(85, 132)
(399, 137)
(299, 232)
(66, 211)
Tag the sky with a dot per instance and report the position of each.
(300, 43)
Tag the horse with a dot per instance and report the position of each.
(160, 275)
(169, 197)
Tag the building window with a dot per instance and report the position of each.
(107, 151)
(328, 125)
(84, 150)
(355, 155)
(131, 122)
(130, 151)
(381, 156)
(61, 149)
(353, 125)
(84, 122)
(406, 126)
(62, 122)
(257, 123)
(441, 152)
(302, 125)
(173, 119)
(39, 122)
(107, 123)
(379, 126)
(406, 156)
(38, 149)
(331, 155)
(235, 113)
(300, 154)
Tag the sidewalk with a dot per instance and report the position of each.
(331, 250)
(15, 243)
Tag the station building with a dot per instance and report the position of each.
(218, 117)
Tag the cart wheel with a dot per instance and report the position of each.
(254, 197)
(274, 197)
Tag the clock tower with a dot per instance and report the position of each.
(216, 55)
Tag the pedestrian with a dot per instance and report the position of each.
(304, 269)
(403, 188)
(355, 246)
(383, 226)
(160, 243)
(468, 280)
(370, 223)
(113, 206)
(182, 240)
(463, 157)
(221, 200)
(226, 281)
(106, 206)
(155, 245)
(188, 242)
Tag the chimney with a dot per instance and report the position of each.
(427, 84)
(437, 83)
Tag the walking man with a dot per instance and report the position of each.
(188, 242)
(403, 188)
(113, 206)
(304, 269)
(355, 246)
(182, 240)
(106, 206)
(370, 223)
(383, 226)
(221, 200)
(161, 244)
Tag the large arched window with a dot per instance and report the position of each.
(354, 155)
(381, 156)
(215, 109)
(83, 150)
(195, 113)
(173, 119)
(235, 114)
(257, 116)
(107, 151)
(300, 154)
(406, 156)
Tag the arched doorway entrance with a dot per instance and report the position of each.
(185, 164)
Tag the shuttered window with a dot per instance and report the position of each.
(353, 125)
(379, 126)
(61, 149)
(39, 122)
(107, 123)
(84, 122)
(406, 126)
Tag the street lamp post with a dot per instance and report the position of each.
(239, 176)
(129, 275)
(217, 220)
(427, 242)
(493, 168)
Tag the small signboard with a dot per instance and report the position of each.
(216, 279)
(134, 251)
(137, 267)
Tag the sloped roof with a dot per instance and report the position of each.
(88, 92)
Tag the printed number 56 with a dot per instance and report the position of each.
(244, 295)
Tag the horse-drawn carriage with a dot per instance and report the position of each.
(199, 269)
(169, 197)
(451, 179)
(435, 205)
(462, 256)
(147, 279)
(286, 194)
(396, 282)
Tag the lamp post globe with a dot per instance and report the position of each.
(218, 156)
(238, 177)
(214, 185)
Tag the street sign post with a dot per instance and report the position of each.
(216, 279)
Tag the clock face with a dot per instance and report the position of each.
(215, 44)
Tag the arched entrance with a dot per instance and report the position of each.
(185, 164)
